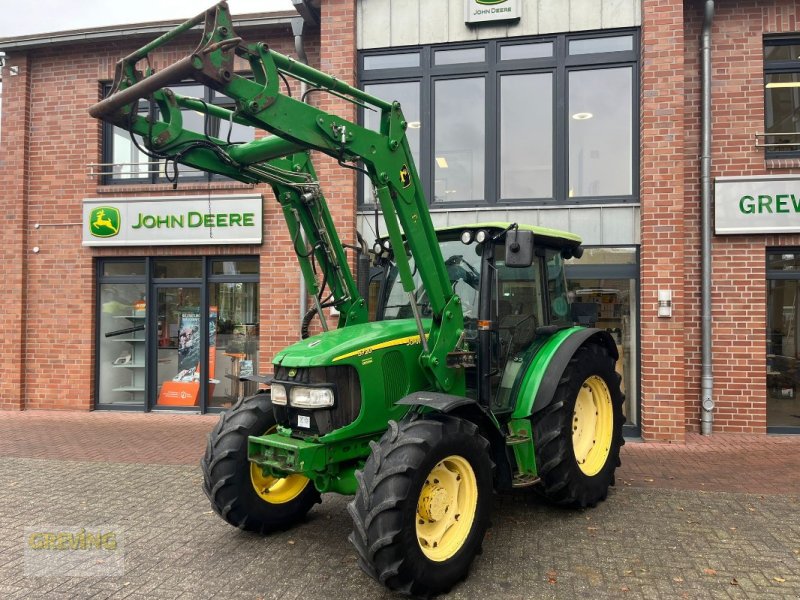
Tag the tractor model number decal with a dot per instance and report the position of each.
(411, 340)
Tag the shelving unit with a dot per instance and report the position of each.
(135, 344)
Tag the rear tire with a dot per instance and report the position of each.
(238, 492)
(422, 505)
(578, 436)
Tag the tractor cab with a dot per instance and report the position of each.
(510, 307)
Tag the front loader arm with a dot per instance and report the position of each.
(296, 127)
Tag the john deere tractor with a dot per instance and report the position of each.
(470, 379)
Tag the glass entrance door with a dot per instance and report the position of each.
(179, 348)
(783, 354)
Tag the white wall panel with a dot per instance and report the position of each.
(387, 23)
(619, 13)
(553, 16)
(458, 31)
(405, 22)
(585, 15)
(376, 29)
(434, 24)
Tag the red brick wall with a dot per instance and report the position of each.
(662, 166)
(338, 58)
(14, 172)
(47, 349)
(739, 293)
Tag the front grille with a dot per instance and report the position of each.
(347, 388)
(395, 377)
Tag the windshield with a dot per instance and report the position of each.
(463, 268)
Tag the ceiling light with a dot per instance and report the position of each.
(441, 161)
(582, 116)
(414, 124)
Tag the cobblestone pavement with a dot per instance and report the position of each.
(650, 539)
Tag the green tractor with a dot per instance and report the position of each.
(471, 376)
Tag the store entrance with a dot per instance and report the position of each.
(178, 334)
(783, 341)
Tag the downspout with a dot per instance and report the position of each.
(707, 378)
(298, 24)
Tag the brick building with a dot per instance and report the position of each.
(582, 115)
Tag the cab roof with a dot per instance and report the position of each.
(553, 236)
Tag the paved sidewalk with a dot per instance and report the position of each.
(722, 462)
(677, 525)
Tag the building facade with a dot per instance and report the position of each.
(582, 115)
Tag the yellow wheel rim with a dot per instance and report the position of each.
(446, 508)
(592, 425)
(273, 489)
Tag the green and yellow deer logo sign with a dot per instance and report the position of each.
(104, 221)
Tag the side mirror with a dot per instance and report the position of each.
(519, 248)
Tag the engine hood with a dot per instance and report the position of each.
(338, 346)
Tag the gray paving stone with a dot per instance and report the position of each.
(641, 543)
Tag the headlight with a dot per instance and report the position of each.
(306, 397)
(278, 394)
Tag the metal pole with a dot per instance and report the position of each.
(298, 24)
(707, 378)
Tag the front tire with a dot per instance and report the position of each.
(578, 436)
(422, 505)
(238, 490)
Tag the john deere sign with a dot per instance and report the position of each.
(479, 11)
(752, 205)
(170, 221)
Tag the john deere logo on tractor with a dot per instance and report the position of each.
(104, 221)
(487, 2)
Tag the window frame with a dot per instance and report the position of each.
(559, 65)
(777, 67)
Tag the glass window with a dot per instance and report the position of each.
(459, 140)
(520, 120)
(459, 56)
(128, 163)
(123, 268)
(522, 51)
(234, 267)
(519, 303)
(782, 97)
(407, 94)
(526, 136)
(121, 351)
(781, 110)
(620, 43)
(234, 343)
(391, 61)
(463, 267)
(557, 289)
(177, 269)
(790, 51)
(783, 353)
(600, 132)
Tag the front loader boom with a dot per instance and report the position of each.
(282, 160)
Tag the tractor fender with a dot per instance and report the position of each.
(470, 410)
(547, 369)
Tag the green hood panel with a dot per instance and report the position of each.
(338, 345)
